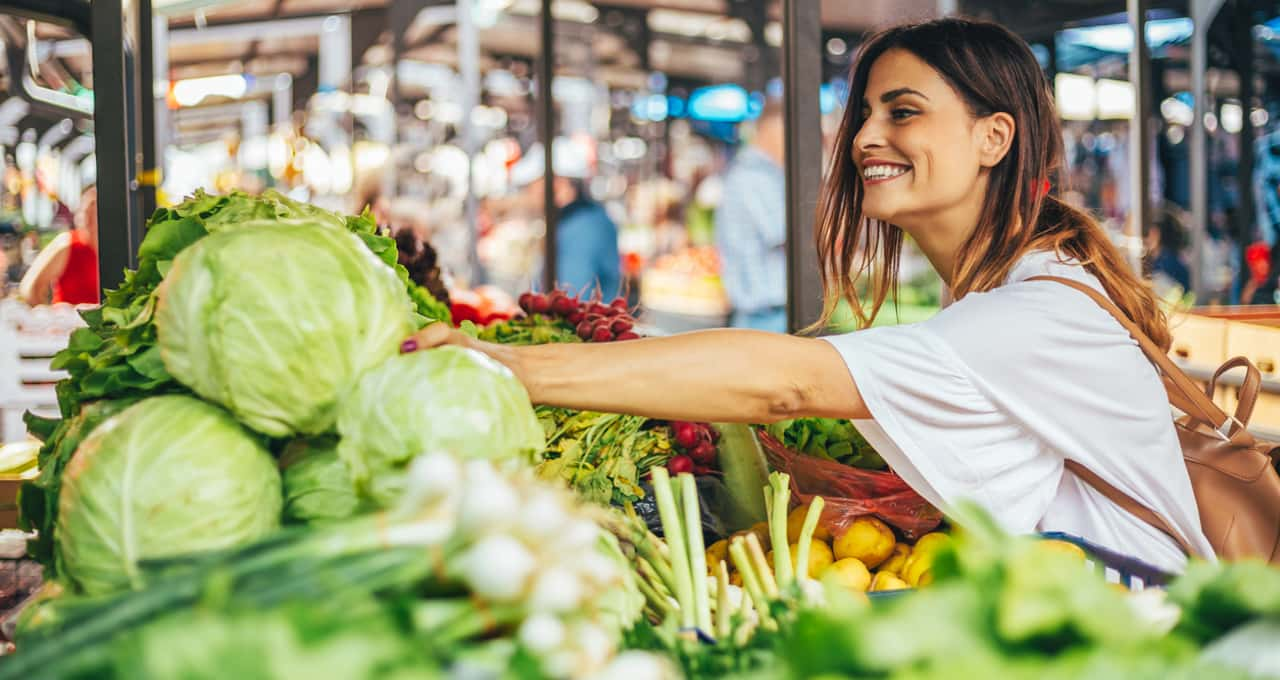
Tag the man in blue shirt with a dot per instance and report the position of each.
(751, 228)
(586, 238)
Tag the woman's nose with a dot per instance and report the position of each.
(868, 139)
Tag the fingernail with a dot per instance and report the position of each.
(408, 346)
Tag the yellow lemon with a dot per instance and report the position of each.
(897, 559)
(887, 581)
(820, 557)
(795, 522)
(849, 573)
(1064, 547)
(931, 541)
(717, 552)
(867, 539)
(917, 564)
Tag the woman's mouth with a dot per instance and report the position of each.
(879, 173)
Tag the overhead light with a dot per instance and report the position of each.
(1076, 96)
(574, 10)
(1177, 112)
(1259, 117)
(1115, 99)
(773, 33)
(192, 91)
(1232, 117)
(837, 47)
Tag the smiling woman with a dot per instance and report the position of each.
(953, 143)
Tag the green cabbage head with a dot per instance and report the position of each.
(168, 476)
(276, 321)
(446, 399)
(317, 483)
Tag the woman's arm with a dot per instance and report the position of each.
(720, 376)
(37, 284)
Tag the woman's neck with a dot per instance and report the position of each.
(941, 235)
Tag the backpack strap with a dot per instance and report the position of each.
(1183, 393)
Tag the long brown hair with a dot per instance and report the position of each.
(993, 71)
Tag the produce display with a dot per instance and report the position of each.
(249, 480)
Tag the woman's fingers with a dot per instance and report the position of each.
(433, 335)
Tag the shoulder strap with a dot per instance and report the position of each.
(1183, 391)
(1176, 383)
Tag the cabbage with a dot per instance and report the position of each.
(447, 399)
(168, 476)
(317, 483)
(276, 321)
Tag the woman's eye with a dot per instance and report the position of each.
(902, 114)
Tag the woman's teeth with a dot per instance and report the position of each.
(884, 171)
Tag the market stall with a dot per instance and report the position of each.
(351, 511)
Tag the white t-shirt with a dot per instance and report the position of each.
(985, 401)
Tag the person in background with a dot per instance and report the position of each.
(1164, 242)
(751, 228)
(67, 269)
(587, 255)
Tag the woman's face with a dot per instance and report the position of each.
(918, 153)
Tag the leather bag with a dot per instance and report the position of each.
(1233, 474)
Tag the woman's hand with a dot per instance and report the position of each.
(435, 335)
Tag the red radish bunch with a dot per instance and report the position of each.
(696, 447)
(592, 320)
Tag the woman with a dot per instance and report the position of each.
(955, 143)
(67, 269)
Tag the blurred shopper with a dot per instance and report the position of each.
(751, 228)
(586, 238)
(67, 269)
(1164, 242)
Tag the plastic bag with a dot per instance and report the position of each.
(849, 493)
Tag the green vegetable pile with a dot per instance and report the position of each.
(828, 438)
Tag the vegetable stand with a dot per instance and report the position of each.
(249, 480)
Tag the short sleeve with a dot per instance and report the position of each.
(945, 437)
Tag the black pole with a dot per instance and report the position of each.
(547, 133)
(802, 77)
(118, 232)
(149, 178)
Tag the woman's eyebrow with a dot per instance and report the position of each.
(902, 91)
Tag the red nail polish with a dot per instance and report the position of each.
(408, 346)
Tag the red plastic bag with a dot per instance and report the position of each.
(849, 493)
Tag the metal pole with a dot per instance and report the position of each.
(1140, 140)
(469, 68)
(547, 133)
(148, 177)
(1202, 12)
(119, 232)
(160, 89)
(801, 78)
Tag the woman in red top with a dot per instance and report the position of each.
(67, 269)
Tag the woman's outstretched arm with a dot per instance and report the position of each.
(718, 375)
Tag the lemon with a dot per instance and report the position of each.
(795, 522)
(820, 557)
(917, 565)
(849, 573)
(1064, 547)
(716, 553)
(931, 541)
(867, 539)
(887, 581)
(897, 559)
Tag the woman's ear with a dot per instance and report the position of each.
(996, 133)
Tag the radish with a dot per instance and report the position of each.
(704, 453)
(539, 304)
(620, 326)
(680, 464)
(564, 305)
(601, 334)
(576, 318)
(584, 330)
(686, 436)
(602, 310)
(703, 470)
(619, 303)
(526, 301)
(626, 335)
